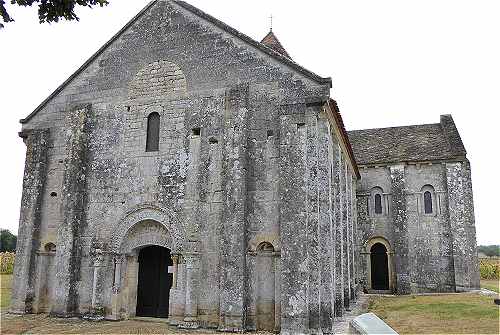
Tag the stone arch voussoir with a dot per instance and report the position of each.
(377, 239)
(147, 225)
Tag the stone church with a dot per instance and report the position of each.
(188, 172)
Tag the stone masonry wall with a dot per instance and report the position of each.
(35, 170)
(244, 161)
(314, 224)
(429, 248)
(461, 216)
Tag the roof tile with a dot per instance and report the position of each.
(438, 141)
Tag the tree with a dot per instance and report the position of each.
(50, 10)
(8, 241)
(489, 250)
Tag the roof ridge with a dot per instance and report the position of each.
(334, 107)
(412, 143)
(395, 127)
(287, 61)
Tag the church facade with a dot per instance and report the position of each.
(188, 172)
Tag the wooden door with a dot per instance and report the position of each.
(154, 282)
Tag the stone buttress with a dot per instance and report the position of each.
(35, 171)
(74, 207)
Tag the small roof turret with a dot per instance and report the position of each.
(272, 42)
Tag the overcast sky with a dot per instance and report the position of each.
(392, 63)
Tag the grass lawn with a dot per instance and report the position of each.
(438, 314)
(491, 284)
(5, 288)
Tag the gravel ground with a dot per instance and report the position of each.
(43, 324)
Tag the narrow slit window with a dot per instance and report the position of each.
(153, 132)
(196, 131)
(378, 204)
(427, 202)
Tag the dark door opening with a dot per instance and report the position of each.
(154, 282)
(379, 267)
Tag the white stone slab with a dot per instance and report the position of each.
(369, 323)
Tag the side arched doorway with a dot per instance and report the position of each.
(154, 282)
(379, 267)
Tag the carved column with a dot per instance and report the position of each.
(130, 284)
(175, 270)
(192, 284)
(116, 297)
(97, 312)
(35, 174)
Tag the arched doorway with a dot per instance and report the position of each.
(154, 282)
(379, 267)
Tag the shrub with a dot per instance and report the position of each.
(489, 250)
(489, 268)
(7, 262)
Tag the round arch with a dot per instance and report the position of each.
(146, 233)
(168, 77)
(259, 239)
(146, 225)
(369, 244)
(143, 226)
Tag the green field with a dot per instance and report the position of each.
(5, 288)
(438, 314)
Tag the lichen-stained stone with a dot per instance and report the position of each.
(430, 245)
(345, 233)
(184, 134)
(462, 227)
(400, 223)
(294, 274)
(28, 242)
(74, 193)
(233, 240)
(312, 220)
(352, 234)
(339, 232)
(326, 226)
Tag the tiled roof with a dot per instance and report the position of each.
(272, 41)
(439, 141)
(340, 122)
